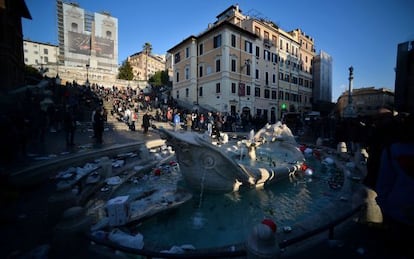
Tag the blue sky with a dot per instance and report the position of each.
(359, 33)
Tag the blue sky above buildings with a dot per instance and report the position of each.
(359, 33)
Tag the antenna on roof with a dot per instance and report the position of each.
(257, 15)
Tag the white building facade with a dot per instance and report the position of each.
(244, 65)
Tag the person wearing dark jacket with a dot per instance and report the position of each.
(70, 125)
(146, 122)
(99, 125)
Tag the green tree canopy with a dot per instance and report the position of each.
(147, 47)
(32, 72)
(125, 71)
(160, 78)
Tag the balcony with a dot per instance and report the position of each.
(267, 43)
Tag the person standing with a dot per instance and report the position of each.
(99, 125)
(395, 188)
(93, 123)
(210, 123)
(70, 125)
(177, 121)
(146, 122)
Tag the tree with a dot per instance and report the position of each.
(160, 78)
(125, 71)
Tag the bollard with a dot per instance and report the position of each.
(262, 242)
(106, 165)
(69, 239)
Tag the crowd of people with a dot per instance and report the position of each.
(28, 114)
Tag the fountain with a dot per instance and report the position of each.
(231, 189)
(272, 154)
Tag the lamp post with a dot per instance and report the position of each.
(87, 74)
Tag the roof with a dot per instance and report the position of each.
(213, 29)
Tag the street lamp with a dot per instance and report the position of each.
(87, 74)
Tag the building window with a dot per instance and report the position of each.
(257, 52)
(218, 65)
(233, 65)
(248, 69)
(257, 31)
(74, 27)
(108, 34)
(177, 58)
(274, 78)
(200, 71)
(217, 41)
(45, 51)
(187, 73)
(201, 49)
(267, 78)
(257, 74)
(274, 58)
(280, 95)
(248, 46)
(287, 96)
(187, 52)
(280, 44)
(200, 91)
(208, 72)
(177, 94)
(233, 88)
(287, 78)
(233, 40)
(280, 76)
(248, 90)
(266, 55)
(266, 35)
(218, 88)
(187, 92)
(267, 93)
(46, 59)
(274, 95)
(257, 91)
(177, 77)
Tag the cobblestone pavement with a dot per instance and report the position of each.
(23, 213)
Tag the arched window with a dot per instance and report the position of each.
(74, 27)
